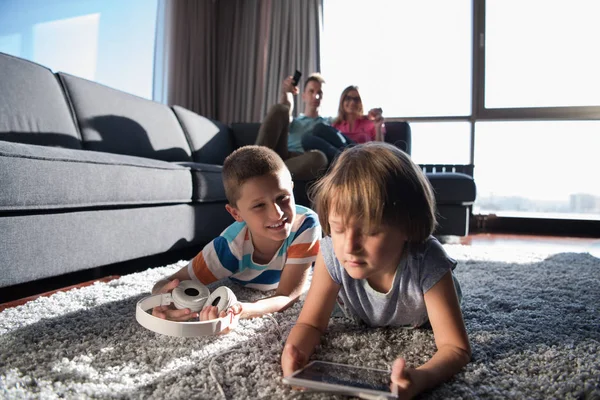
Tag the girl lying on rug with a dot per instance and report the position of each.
(381, 264)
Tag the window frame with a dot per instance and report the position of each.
(480, 113)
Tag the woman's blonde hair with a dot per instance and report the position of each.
(377, 184)
(341, 116)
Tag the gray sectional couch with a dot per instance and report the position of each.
(91, 176)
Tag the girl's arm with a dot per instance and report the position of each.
(453, 349)
(312, 322)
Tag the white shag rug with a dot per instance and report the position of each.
(533, 320)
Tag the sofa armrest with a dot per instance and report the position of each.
(211, 141)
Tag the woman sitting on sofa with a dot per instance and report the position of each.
(350, 126)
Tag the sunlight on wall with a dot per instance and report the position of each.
(79, 45)
(108, 41)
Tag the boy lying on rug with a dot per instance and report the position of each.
(381, 264)
(271, 245)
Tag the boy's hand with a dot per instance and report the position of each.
(292, 359)
(210, 312)
(401, 377)
(288, 87)
(169, 312)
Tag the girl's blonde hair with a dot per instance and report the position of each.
(341, 116)
(377, 184)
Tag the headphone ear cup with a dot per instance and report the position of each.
(222, 298)
(190, 294)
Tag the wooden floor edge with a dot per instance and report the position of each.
(22, 301)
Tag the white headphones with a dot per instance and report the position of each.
(192, 295)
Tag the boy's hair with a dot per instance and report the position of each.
(246, 163)
(377, 183)
(316, 77)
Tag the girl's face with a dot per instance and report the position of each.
(352, 103)
(367, 255)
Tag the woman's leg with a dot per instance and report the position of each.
(332, 135)
(310, 142)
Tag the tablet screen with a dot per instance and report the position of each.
(346, 375)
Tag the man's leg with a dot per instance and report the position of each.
(307, 166)
(273, 132)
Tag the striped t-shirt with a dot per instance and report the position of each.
(230, 254)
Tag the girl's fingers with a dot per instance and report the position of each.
(208, 313)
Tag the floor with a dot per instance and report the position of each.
(559, 244)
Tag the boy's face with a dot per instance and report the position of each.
(366, 255)
(267, 206)
(312, 94)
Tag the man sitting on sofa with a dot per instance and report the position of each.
(285, 137)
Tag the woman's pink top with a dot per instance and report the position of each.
(364, 130)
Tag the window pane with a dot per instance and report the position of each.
(546, 169)
(410, 58)
(441, 142)
(107, 41)
(542, 53)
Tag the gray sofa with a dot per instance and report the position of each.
(91, 177)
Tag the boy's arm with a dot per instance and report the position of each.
(289, 290)
(181, 275)
(451, 340)
(300, 255)
(314, 318)
(165, 286)
(200, 270)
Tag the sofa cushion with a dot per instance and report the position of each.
(211, 141)
(117, 122)
(207, 181)
(33, 108)
(452, 187)
(36, 246)
(38, 178)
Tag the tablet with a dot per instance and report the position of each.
(344, 379)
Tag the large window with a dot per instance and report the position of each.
(411, 58)
(107, 41)
(510, 86)
(541, 53)
(538, 169)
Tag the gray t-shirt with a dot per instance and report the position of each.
(404, 304)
